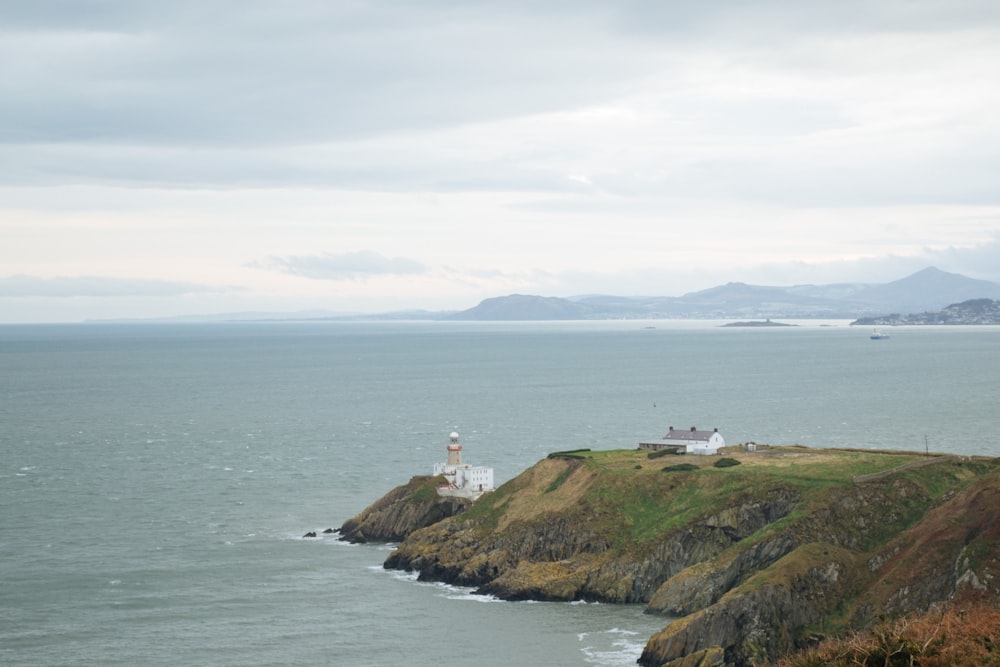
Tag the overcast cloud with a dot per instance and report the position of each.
(95, 286)
(429, 154)
(349, 266)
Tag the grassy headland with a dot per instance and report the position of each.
(783, 544)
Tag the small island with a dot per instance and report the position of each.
(750, 555)
(759, 323)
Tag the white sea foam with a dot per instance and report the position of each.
(447, 591)
(611, 647)
(400, 575)
(336, 542)
(474, 597)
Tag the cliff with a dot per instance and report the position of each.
(748, 562)
(403, 510)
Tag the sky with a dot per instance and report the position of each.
(206, 156)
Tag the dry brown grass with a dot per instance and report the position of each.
(521, 506)
(966, 634)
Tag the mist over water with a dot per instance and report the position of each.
(155, 480)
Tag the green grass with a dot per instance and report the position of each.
(633, 506)
(428, 489)
(681, 467)
(560, 479)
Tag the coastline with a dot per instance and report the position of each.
(786, 536)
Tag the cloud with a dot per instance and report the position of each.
(772, 100)
(353, 266)
(223, 72)
(97, 286)
(559, 147)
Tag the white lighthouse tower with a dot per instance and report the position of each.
(454, 450)
(462, 479)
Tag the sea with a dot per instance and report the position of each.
(156, 480)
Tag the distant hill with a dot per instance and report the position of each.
(974, 311)
(526, 307)
(928, 290)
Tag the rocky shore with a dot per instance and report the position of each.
(746, 562)
(403, 510)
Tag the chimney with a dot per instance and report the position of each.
(716, 429)
(693, 428)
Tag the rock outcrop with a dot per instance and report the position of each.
(403, 510)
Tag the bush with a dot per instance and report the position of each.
(569, 454)
(726, 463)
(681, 467)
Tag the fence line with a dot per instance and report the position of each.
(906, 466)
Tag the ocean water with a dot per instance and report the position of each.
(156, 480)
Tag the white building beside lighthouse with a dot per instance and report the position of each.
(463, 480)
(692, 442)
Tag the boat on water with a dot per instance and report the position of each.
(878, 335)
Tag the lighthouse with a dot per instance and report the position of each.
(462, 479)
(454, 450)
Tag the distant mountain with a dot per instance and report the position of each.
(928, 290)
(526, 307)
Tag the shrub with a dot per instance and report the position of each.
(681, 467)
(726, 463)
(569, 454)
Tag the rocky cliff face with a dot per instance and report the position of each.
(755, 559)
(858, 556)
(402, 511)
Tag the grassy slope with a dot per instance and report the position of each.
(633, 500)
(634, 503)
(634, 507)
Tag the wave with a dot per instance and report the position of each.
(612, 647)
(447, 591)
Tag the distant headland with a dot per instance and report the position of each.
(927, 290)
(750, 554)
(971, 312)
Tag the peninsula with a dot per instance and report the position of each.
(973, 311)
(748, 556)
